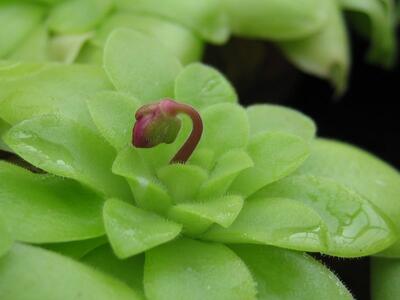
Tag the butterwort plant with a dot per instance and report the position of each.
(152, 182)
(312, 34)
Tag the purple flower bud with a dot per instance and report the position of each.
(158, 123)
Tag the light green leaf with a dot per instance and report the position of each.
(140, 65)
(129, 271)
(66, 48)
(287, 275)
(182, 181)
(359, 171)
(45, 209)
(188, 269)
(49, 274)
(29, 90)
(274, 221)
(226, 169)
(222, 211)
(201, 86)
(275, 156)
(132, 230)
(325, 53)
(205, 17)
(33, 48)
(16, 21)
(147, 191)
(179, 40)
(225, 128)
(11, 70)
(5, 237)
(385, 278)
(76, 249)
(268, 118)
(203, 158)
(276, 19)
(78, 16)
(90, 54)
(114, 115)
(62, 147)
(355, 227)
(3, 128)
(380, 27)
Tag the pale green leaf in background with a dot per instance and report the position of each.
(33, 48)
(380, 27)
(200, 86)
(325, 53)
(78, 16)
(179, 40)
(206, 17)
(140, 65)
(66, 48)
(17, 19)
(276, 19)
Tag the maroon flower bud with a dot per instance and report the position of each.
(158, 123)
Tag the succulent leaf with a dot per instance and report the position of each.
(361, 172)
(21, 17)
(129, 271)
(113, 114)
(140, 65)
(41, 208)
(5, 238)
(196, 270)
(132, 230)
(179, 40)
(276, 19)
(49, 274)
(385, 276)
(78, 16)
(355, 227)
(275, 118)
(201, 86)
(275, 156)
(64, 148)
(287, 275)
(205, 17)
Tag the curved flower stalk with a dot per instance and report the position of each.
(311, 33)
(258, 190)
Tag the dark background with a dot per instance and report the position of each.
(367, 115)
